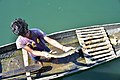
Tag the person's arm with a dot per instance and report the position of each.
(36, 53)
(57, 44)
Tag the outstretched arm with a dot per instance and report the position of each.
(48, 55)
(35, 52)
(57, 44)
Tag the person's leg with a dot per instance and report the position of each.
(37, 61)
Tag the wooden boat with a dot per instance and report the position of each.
(100, 44)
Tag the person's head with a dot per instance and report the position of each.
(19, 27)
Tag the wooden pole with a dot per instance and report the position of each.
(25, 59)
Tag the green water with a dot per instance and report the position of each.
(56, 15)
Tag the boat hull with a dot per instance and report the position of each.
(11, 58)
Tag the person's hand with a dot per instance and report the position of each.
(66, 49)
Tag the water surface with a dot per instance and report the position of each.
(56, 15)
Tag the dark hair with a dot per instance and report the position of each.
(19, 27)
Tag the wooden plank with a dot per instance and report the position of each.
(92, 37)
(105, 58)
(95, 41)
(91, 32)
(102, 55)
(95, 45)
(88, 35)
(101, 52)
(81, 42)
(91, 29)
(98, 48)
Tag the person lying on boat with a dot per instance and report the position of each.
(33, 40)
